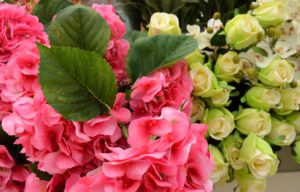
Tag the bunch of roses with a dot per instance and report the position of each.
(246, 87)
(160, 151)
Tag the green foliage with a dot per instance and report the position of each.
(80, 26)
(79, 84)
(45, 9)
(150, 53)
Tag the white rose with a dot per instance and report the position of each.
(164, 23)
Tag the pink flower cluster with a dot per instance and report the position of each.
(150, 147)
(118, 47)
(18, 54)
(166, 153)
(12, 177)
(166, 87)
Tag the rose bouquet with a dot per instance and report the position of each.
(246, 89)
(88, 110)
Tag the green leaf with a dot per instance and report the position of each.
(219, 39)
(150, 53)
(79, 84)
(80, 26)
(45, 9)
(260, 51)
(133, 35)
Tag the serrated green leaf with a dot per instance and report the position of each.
(45, 9)
(150, 53)
(80, 26)
(79, 84)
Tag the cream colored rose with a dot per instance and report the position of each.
(263, 165)
(243, 30)
(228, 66)
(164, 23)
(278, 74)
(290, 101)
(198, 110)
(259, 156)
(220, 122)
(248, 183)
(262, 98)
(220, 98)
(254, 120)
(270, 13)
(231, 149)
(282, 133)
(220, 171)
(234, 159)
(204, 81)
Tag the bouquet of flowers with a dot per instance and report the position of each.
(87, 106)
(81, 119)
(246, 89)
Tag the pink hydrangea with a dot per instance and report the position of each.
(171, 155)
(60, 146)
(12, 176)
(19, 58)
(118, 47)
(166, 87)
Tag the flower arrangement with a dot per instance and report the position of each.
(93, 106)
(82, 122)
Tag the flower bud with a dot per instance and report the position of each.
(290, 101)
(164, 23)
(228, 66)
(262, 98)
(220, 98)
(242, 31)
(195, 57)
(278, 74)
(231, 149)
(270, 13)
(220, 171)
(204, 81)
(248, 183)
(198, 110)
(282, 133)
(253, 120)
(294, 119)
(220, 122)
(259, 156)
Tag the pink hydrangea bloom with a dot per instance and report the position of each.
(171, 155)
(12, 176)
(19, 58)
(118, 47)
(166, 87)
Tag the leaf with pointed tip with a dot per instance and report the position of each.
(45, 9)
(80, 26)
(150, 53)
(79, 84)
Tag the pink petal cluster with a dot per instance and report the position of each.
(151, 148)
(118, 47)
(18, 54)
(60, 146)
(166, 87)
(12, 177)
(166, 153)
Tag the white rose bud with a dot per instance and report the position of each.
(254, 120)
(220, 122)
(282, 133)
